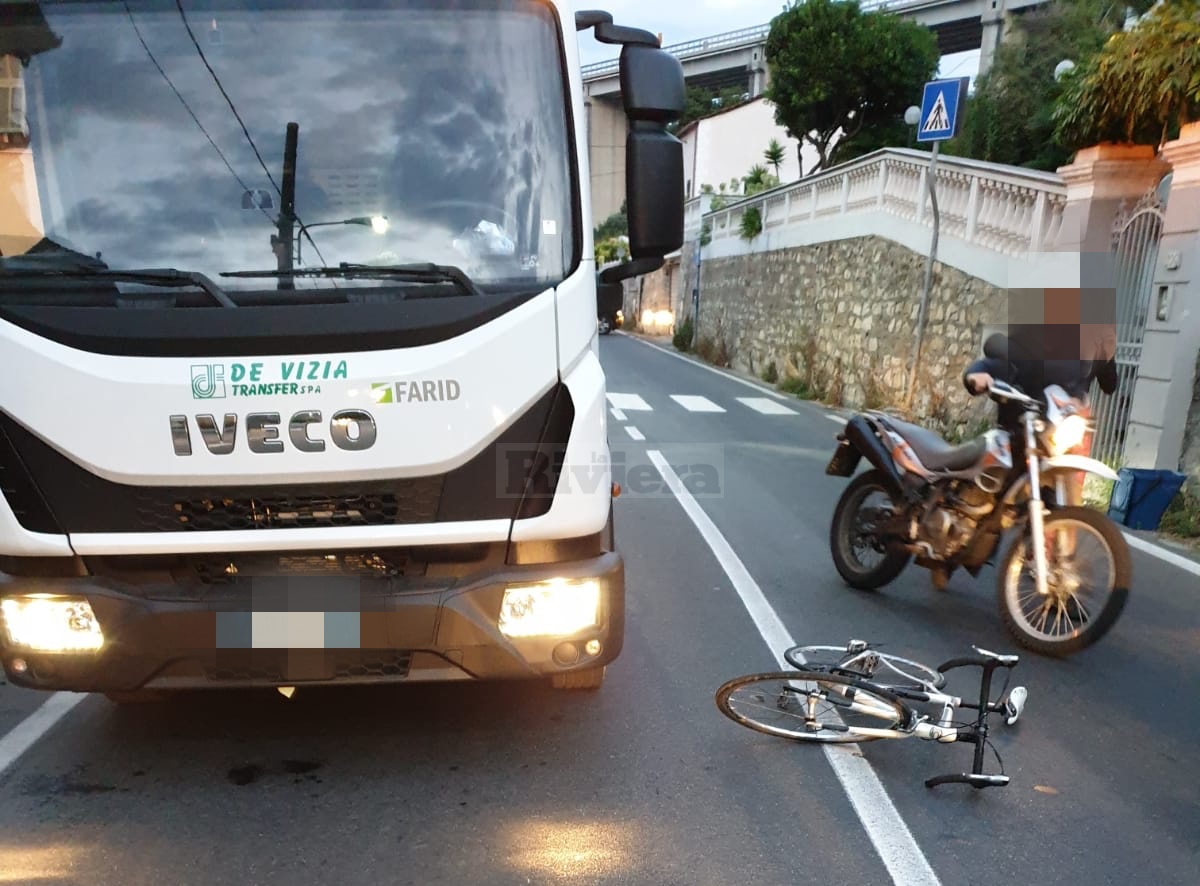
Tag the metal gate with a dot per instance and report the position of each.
(1136, 235)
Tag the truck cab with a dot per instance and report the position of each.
(298, 333)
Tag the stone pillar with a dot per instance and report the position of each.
(607, 129)
(993, 21)
(1163, 397)
(759, 76)
(1100, 179)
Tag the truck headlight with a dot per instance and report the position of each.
(45, 623)
(557, 608)
(1068, 434)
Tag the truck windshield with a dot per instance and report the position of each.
(153, 133)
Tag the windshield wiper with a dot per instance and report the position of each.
(419, 273)
(168, 278)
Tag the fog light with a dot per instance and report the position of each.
(557, 608)
(19, 666)
(592, 648)
(51, 624)
(566, 654)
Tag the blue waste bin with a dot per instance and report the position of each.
(1140, 497)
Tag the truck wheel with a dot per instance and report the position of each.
(592, 678)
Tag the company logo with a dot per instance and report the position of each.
(351, 430)
(423, 391)
(286, 379)
(208, 382)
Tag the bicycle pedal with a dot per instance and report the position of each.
(1015, 704)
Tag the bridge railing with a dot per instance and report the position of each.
(718, 42)
(1005, 209)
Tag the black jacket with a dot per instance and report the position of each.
(1008, 360)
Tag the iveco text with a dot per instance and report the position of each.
(341, 253)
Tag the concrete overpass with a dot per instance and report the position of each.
(737, 58)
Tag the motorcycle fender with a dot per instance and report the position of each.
(864, 440)
(1079, 463)
(844, 460)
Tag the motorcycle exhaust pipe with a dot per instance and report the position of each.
(862, 436)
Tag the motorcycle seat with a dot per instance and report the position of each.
(933, 451)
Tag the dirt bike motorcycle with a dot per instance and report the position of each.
(1062, 578)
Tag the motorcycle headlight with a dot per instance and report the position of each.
(1068, 434)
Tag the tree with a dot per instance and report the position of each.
(616, 225)
(837, 70)
(758, 180)
(1010, 118)
(891, 133)
(700, 102)
(1141, 87)
(775, 154)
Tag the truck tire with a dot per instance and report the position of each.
(590, 679)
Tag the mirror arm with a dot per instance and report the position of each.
(630, 269)
(586, 19)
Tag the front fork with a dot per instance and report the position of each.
(1037, 511)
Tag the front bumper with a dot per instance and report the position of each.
(374, 630)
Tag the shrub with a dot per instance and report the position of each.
(796, 387)
(771, 373)
(683, 336)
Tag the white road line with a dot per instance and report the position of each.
(715, 370)
(635, 433)
(618, 414)
(888, 832)
(37, 724)
(696, 404)
(766, 406)
(629, 403)
(836, 419)
(1163, 554)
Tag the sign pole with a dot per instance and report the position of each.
(696, 292)
(940, 120)
(927, 288)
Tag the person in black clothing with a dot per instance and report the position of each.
(1032, 357)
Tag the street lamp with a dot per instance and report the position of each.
(1063, 68)
(377, 223)
(912, 117)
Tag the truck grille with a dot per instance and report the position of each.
(394, 503)
(516, 476)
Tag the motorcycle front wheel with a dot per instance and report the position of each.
(863, 559)
(1089, 573)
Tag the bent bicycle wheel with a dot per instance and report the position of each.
(886, 670)
(811, 706)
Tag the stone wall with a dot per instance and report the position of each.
(659, 291)
(841, 316)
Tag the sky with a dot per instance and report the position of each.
(682, 20)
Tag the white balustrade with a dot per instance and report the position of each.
(1004, 209)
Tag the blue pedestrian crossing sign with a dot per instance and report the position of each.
(941, 109)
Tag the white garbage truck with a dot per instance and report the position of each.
(299, 365)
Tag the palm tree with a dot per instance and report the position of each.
(775, 155)
(758, 179)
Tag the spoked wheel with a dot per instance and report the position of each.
(864, 558)
(1089, 574)
(809, 706)
(881, 668)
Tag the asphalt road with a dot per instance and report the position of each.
(645, 782)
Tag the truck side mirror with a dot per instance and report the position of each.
(653, 92)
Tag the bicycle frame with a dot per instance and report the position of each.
(922, 726)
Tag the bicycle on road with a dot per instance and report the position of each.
(855, 693)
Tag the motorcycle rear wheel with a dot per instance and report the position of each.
(844, 532)
(1062, 624)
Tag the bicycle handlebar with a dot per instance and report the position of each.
(982, 661)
